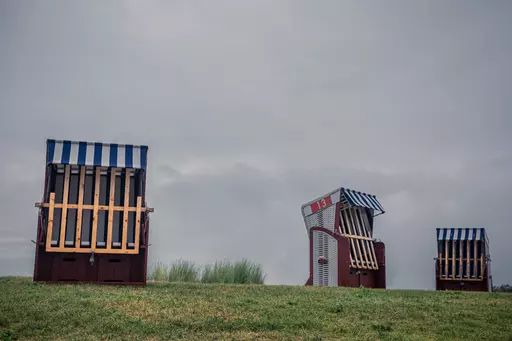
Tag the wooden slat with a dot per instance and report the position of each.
(446, 258)
(110, 226)
(49, 229)
(475, 259)
(481, 260)
(51, 205)
(458, 279)
(89, 250)
(453, 261)
(94, 231)
(354, 220)
(359, 243)
(373, 254)
(440, 258)
(353, 253)
(100, 207)
(78, 236)
(348, 235)
(344, 233)
(373, 263)
(137, 224)
(352, 229)
(366, 233)
(65, 199)
(461, 269)
(124, 244)
(468, 245)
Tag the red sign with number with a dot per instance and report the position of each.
(321, 204)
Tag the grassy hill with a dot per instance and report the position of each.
(30, 311)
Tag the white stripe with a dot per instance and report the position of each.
(136, 157)
(376, 203)
(362, 199)
(348, 197)
(57, 153)
(307, 210)
(478, 234)
(441, 233)
(356, 199)
(373, 202)
(370, 203)
(89, 155)
(105, 155)
(455, 234)
(121, 156)
(73, 154)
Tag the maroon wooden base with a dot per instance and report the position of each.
(462, 285)
(56, 267)
(135, 284)
(347, 276)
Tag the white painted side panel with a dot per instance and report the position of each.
(326, 246)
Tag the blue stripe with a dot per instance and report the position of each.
(97, 154)
(113, 155)
(64, 156)
(365, 201)
(143, 156)
(360, 199)
(349, 198)
(128, 156)
(462, 234)
(66, 151)
(50, 145)
(376, 203)
(353, 199)
(82, 150)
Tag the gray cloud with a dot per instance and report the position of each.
(252, 109)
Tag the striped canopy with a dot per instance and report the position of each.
(461, 234)
(354, 198)
(96, 154)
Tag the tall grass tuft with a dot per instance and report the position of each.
(158, 272)
(183, 271)
(219, 272)
(224, 271)
(247, 272)
(239, 272)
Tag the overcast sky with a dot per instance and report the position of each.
(252, 108)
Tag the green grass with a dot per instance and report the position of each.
(197, 311)
(180, 271)
(239, 272)
(232, 272)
